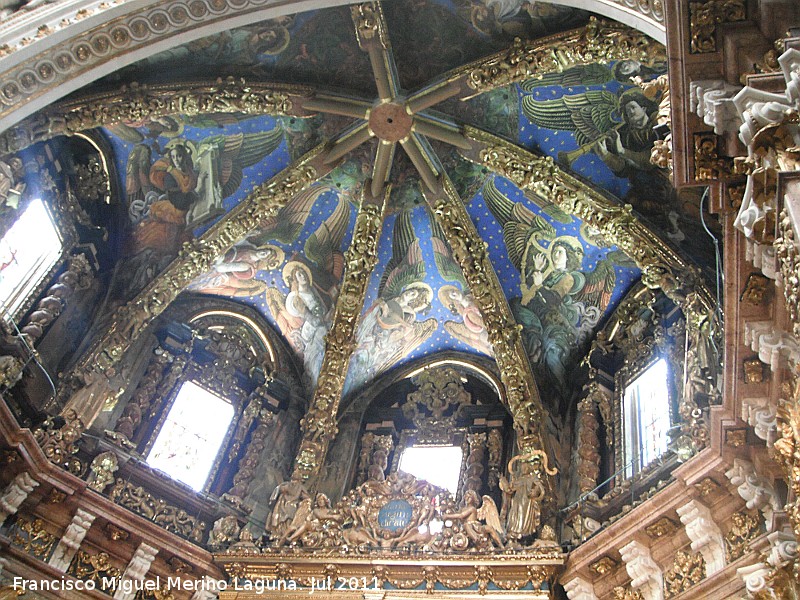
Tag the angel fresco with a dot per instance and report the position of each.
(304, 314)
(181, 189)
(390, 328)
(457, 298)
(616, 127)
(561, 301)
(234, 273)
(623, 71)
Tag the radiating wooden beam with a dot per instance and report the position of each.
(450, 134)
(349, 141)
(346, 107)
(421, 162)
(383, 165)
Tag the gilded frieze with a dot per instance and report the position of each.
(32, 537)
(687, 571)
(141, 103)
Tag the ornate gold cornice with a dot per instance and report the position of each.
(319, 423)
(598, 42)
(197, 256)
(530, 570)
(141, 102)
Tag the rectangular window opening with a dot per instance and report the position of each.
(28, 251)
(438, 465)
(646, 417)
(190, 438)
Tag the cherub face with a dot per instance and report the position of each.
(408, 296)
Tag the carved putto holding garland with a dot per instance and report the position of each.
(396, 514)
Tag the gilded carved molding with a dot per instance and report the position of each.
(470, 252)
(140, 102)
(599, 41)
(91, 41)
(319, 423)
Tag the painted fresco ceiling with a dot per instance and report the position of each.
(562, 280)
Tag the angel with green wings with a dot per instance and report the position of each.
(616, 127)
(390, 328)
(561, 302)
(456, 297)
(305, 313)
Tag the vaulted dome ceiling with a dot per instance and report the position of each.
(437, 110)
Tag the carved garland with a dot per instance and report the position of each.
(319, 424)
(471, 254)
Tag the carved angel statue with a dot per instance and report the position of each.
(480, 520)
(522, 496)
(286, 501)
(390, 328)
(561, 301)
(305, 313)
(616, 127)
(457, 298)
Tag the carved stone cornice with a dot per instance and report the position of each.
(704, 18)
(319, 424)
(470, 252)
(140, 102)
(197, 256)
(599, 41)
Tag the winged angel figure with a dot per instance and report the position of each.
(616, 127)
(456, 297)
(389, 329)
(185, 187)
(305, 312)
(561, 302)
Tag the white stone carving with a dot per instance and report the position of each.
(645, 574)
(579, 589)
(68, 545)
(712, 101)
(707, 539)
(784, 548)
(774, 347)
(137, 568)
(755, 577)
(207, 591)
(755, 490)
(15, 493)
(761, 414)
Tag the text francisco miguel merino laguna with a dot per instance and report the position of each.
(189, 585)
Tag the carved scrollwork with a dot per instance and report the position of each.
(704, 18)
